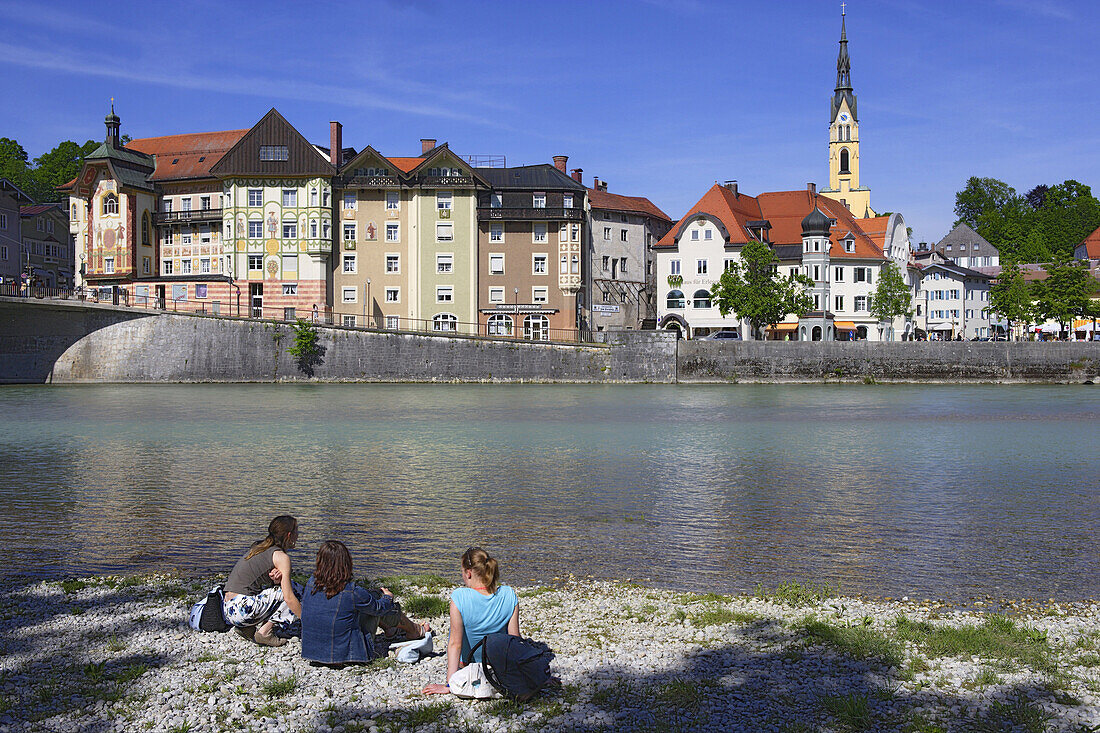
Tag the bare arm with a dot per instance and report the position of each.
(282, 564)
(454, 652)
(513, 623)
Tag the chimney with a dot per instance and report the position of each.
(812, 188)
(335, 143)
(732, 186)
(603, 185)
(596, 183)
(577, 173)
(426, 144)
(560, 161)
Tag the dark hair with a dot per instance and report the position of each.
(278, 534)
(484, 567)
(333, 568)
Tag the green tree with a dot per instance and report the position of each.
(1010, 296)
(980, 196)
(754, 291)
(59, 166)
(1065, 293)
(13, 164)
(892, 297)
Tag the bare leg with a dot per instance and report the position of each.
(412, 629)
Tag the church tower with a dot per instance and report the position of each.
(844, 183)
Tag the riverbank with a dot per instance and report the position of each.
(116, 654)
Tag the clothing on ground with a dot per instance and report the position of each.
(341, 629)
(482, 615)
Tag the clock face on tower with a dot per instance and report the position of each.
(844, 118)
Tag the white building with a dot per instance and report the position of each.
(953, 301)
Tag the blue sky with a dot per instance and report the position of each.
(661, 98)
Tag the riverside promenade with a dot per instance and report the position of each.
(110, 653)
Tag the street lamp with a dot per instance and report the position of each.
(365, 303)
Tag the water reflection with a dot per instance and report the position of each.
(926, 491)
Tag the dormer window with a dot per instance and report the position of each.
(849, 245)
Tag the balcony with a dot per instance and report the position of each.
(173, 217)
(445, 181)
(529, 214)
(372, 181)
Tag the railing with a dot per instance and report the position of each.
(444, 181)
(516, 331)
(169, 217)
(18, 290)
(372, 181)
(530, 213)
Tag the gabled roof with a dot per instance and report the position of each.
(956, 270)
(134, 158)
(440, 151)
(617, 202)
(36, 209)
(7, 185)
(1091, 243)
(243, 158)
(364, 154)
(964, 235)
(406, 165)
(180, 157)
(528, 177)
(734, 211)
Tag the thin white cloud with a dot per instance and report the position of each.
(1044, 8)
(305, 91)
(48, 17)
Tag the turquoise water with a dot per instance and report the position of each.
(926, 491)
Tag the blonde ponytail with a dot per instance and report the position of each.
(484, 567)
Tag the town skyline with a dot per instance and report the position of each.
(653, 118)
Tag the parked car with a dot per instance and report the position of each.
(722, 336)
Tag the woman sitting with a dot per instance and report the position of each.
(477, 610)
(259, 592)
(339, 618)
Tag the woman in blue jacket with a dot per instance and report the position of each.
(339, 618)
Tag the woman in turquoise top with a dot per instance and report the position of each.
(478, 609)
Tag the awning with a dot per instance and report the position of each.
(1085, 324)
(844, 325)
(941, 326)
(783, 327)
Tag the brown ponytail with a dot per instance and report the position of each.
(278, 535)
(484, 567)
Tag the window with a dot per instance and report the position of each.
(348, 321)
(838, 274)
(567, 201)
(838, 303)
(860, 274)
(166, 206)
(539, 295)
(324, 197)
(392, 200)
(849, 245)
(108, 265)
(444, 294)
(393, 295)
(538, 232)
(622, 266)
(349, 199)
(495, 200)
(290, 197)
(443, 201)
(706, 234)
(349, 263)
(536, 328)
(350, 295)
(185, 235)
(496, 295)
(273, 152)
(313, 196)
(499, 325)
(674, 267)
(146, 262)
(607, 234)
(444, 263)
(110, 204)
(349, 232)
(393, 263)
(817, 272)
(496, 232)
(622, 235)
(861, 303)
(575, 233)
(444, 232)
(393, 322)
(393, 232)
(575, 266)
(290, 230)
(563, 268)
(204, 233)
(728, 265)
(445, 322)
(167, 267)
(695, 235)
(39, 224)
(255, 229)
(844, 161)
(313, 229)
(675, 299)
(201, 290)
(606, 297)
(563, 233)
(701, 299)
(4, 218)
(204, 203)
(290, 288)
(496, 264)
(185, 266)
(538, 200)
(255, 197)
(290, 263)
(538, 264)
(606, 262)
(204, 265)
(622, 297)
(701, 267)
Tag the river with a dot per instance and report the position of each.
(889, 490)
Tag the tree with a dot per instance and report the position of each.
(1036, 196)
(13, 164)
(752, 289)
(1010, 296)
(981, 195)
(59, 166)
(892, 297)
(1065, 292)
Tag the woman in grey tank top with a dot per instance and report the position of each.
(259, 593)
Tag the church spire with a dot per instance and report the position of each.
(843, 62)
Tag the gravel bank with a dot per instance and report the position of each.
(116, 654)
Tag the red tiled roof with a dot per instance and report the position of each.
(186, 156)
(784, 210)
(35, 209)
(1092, 245)
(406, 164)
(618, 202)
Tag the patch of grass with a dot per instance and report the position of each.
(793, 593)
(131, 673)
(380, 663)
(427, 581)
(76, 611)
(612, 696)
(1017, 714)
(426, 606)
(270, 710)
(681, 694)
(997, 637)
(534, 592)
(174, 591)
(114, 644)
(643, 614)
(207, 657)
(504, 708)
(279, 688)
(913, 667)
(426, 714)
(857, 642)
(852, 711)
(918, 723)
(1087, 660)
(72, 585)
(95, 671)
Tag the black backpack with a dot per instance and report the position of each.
(213, 618)
(516, 667)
